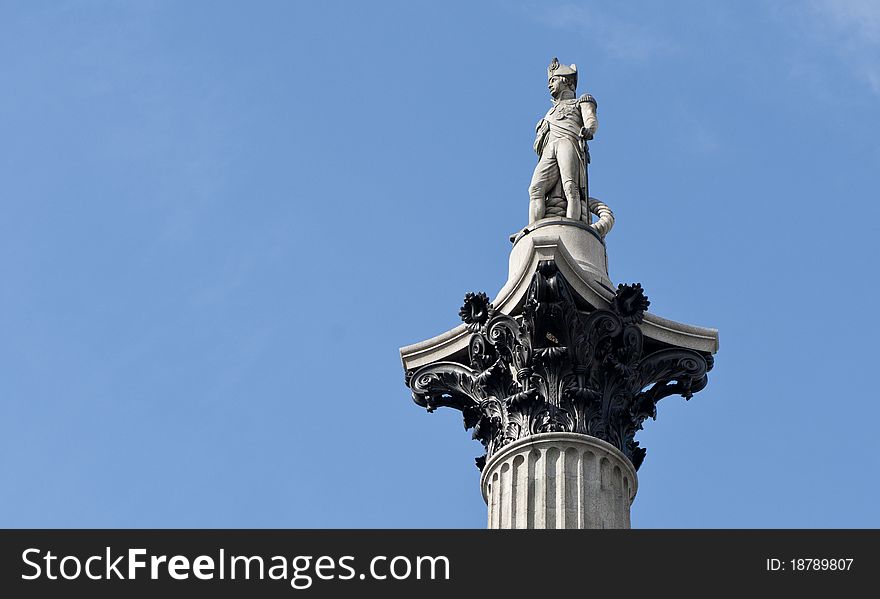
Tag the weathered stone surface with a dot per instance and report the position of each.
(559, 480)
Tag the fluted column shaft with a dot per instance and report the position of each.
(559, 480)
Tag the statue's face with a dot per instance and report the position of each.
(556, 85)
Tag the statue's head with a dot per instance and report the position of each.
(561, 77)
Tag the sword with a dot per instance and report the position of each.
(587, 182)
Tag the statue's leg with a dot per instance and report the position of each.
(569, 170)
(544, 178)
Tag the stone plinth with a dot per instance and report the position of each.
(582, 244)
(559, 480)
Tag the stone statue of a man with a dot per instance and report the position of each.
(561, 143)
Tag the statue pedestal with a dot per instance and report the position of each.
(583, 245)
(559, 480)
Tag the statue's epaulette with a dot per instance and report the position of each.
(587, 98)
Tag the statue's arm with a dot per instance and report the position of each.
(588, 113)
(541, 131)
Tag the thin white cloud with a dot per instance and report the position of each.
(852, 27)
(859, 17)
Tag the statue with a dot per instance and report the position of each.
(559, 184)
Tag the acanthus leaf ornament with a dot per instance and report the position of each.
(558, 368)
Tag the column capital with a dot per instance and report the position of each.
(559, 366)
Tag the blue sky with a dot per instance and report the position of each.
(219, 221)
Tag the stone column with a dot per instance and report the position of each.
(556, 377)
(559, 480)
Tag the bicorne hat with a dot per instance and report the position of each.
(559, 70)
